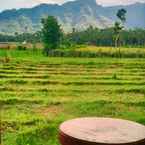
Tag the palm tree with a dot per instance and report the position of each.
(119, 26)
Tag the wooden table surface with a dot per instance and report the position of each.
(101, 131)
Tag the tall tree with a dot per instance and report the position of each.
(119, 25)
(51, 34)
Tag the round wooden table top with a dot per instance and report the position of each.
(101, 131)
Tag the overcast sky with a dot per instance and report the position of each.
(8, 4)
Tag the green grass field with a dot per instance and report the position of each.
(38, 93)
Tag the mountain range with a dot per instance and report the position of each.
(78, 14)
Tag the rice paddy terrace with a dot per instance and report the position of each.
(36, 96)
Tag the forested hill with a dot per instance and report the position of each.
(78, 14)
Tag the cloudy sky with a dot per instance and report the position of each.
(8, 4)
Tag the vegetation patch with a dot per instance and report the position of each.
(38, 93)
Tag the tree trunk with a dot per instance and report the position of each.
(116, 40)
(117, 45)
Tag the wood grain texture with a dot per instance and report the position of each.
(101, 131)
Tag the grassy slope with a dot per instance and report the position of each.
(38, 93)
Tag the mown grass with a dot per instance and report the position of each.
(37, 93)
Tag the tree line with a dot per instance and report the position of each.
(105, 37)
(93, 36)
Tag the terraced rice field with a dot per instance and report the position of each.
(36, 96)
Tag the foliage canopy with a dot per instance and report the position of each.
(51, 33)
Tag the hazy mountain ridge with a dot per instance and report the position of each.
(79, 14)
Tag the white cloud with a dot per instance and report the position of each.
(117, 2)
(8, 4)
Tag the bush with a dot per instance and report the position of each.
(21, 47)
